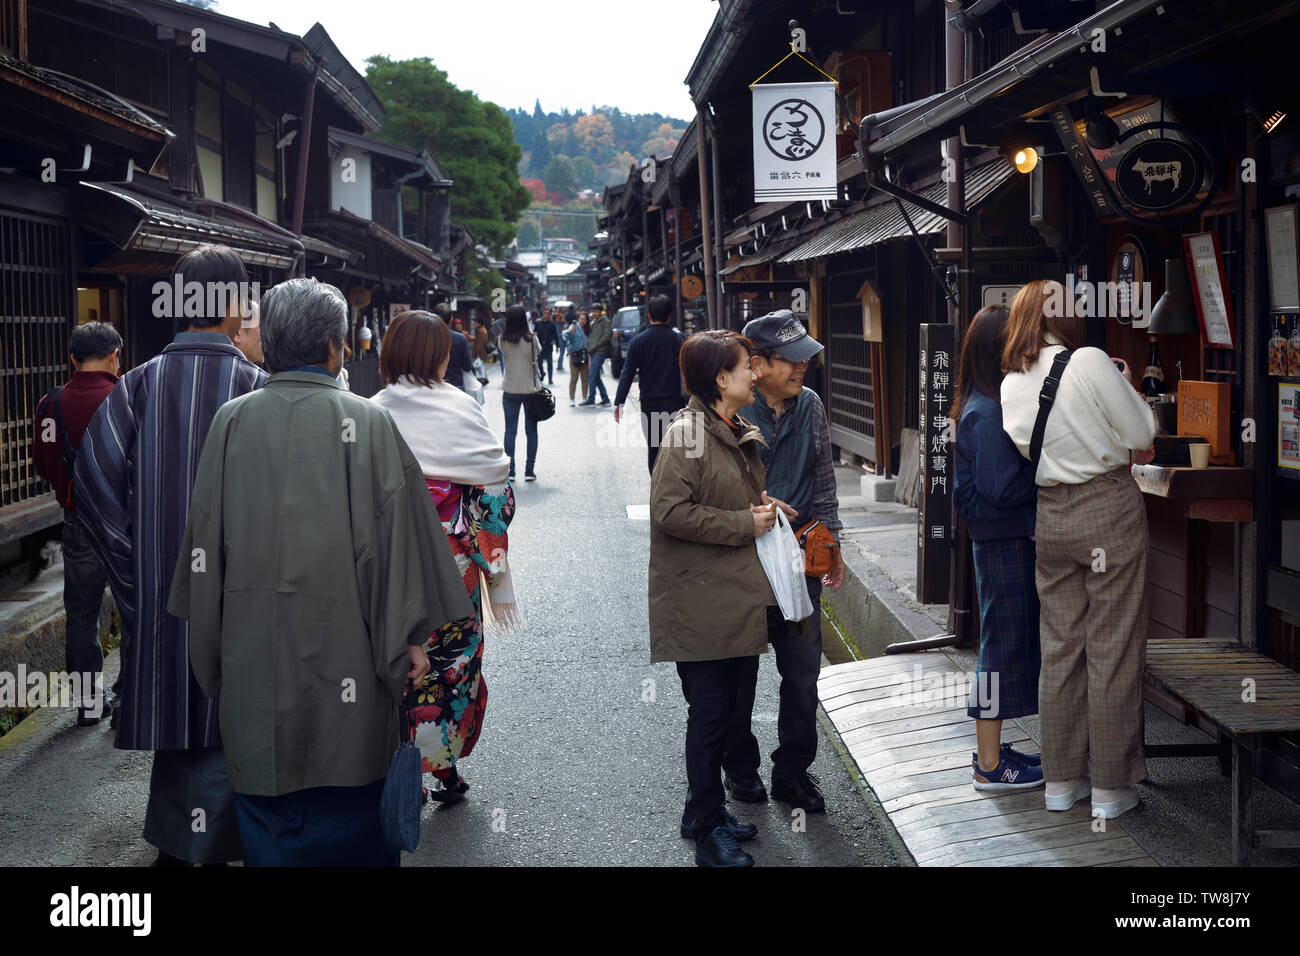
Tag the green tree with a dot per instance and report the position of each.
(584, 171)
(472, 140)
(539, 153)
(558, 177)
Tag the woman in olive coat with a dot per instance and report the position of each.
(708, 593)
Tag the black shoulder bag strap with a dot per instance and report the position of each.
(52, 406)
(1046, 399)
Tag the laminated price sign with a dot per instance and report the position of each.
(794, 142)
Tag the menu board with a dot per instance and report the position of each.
(1209, 286)
(1283, 259)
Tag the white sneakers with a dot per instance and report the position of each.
(1063, 794)
(1110, 804)
(1060, 795)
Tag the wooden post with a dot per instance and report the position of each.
(706, 236)
(1243, 773)
(304, 152)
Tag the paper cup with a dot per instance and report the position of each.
(1199, 454)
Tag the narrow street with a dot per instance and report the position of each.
(580, 762)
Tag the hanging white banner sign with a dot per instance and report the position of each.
(794, 142)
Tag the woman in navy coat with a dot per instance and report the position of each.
(995, 495)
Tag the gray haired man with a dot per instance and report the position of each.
(342, 571)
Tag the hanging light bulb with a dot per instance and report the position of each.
(1025, 159)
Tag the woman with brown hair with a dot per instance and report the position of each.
(708, 592)
(466, 469)
(1091, 561)
(995, 495)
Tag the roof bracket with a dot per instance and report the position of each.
(1095, 82)
(899, 192)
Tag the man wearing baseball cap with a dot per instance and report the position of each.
(800, 471)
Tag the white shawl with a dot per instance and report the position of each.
(451, 439)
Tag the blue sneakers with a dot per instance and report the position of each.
(1033, 760)
(1010, 774)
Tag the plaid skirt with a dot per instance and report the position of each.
(1006, 681)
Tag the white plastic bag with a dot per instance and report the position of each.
(782, 561)
(473, 386)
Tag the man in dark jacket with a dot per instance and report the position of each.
(546, 339)
(61, 418)
(459, 360)
(800, 472)
(653, 356)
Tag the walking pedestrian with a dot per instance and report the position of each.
(560, 323)
(546, 338)
(95, 351)
(796, 452)
(465, 468)
(652, 358)
(598, 347)
(519, 358)
(135, 468)
(575, 339)
(995, 494)
(1093, 620)
(459, 361)
(312, 659)
(708, 593)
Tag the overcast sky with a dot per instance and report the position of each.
(632, 54)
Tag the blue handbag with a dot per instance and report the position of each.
(399, 807)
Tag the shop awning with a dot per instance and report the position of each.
(351, 225)
(1141, 36)
(883, 222)
(136, 220)
(322, 247)
(773, 250)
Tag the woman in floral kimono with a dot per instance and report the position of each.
(466, 469)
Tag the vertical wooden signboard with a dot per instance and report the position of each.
(934, 519)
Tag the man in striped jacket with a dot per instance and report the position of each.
(135, 469)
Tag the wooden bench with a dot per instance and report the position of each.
(1201, 682)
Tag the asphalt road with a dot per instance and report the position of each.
(580, 761)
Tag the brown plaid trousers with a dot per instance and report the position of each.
(1093, 628)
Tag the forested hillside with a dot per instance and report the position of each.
(569, 152)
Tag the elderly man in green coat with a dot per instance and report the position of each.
(314, 569)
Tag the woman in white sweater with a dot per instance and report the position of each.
(1091, 533)
(519, 360)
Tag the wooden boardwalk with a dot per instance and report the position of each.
(903, 720)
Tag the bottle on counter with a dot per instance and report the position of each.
(1153, 378)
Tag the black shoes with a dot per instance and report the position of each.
(451, 791)
(799, 789)
(721, 849)
(747, 788)
(529, 476)
(742, 831)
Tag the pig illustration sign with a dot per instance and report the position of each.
(794, 141)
